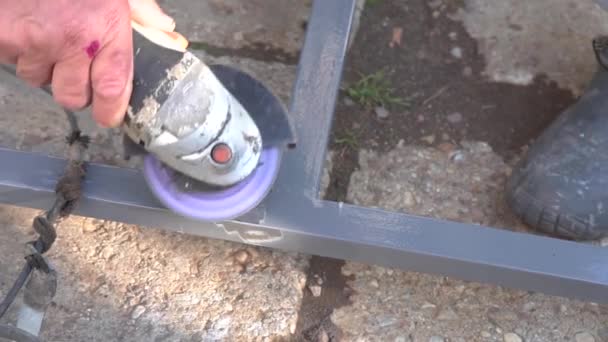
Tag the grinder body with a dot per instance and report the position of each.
(212, 135)
(181, 113)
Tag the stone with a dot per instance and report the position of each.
(138, 311)
(428, 305)
(90, 227)
(512, 337)
(446, 147)
(456, 52)
(408, 199)
(454, 118)
(467, 71)
(241, 256)
(323, 336)
(381, 112)
(584, 336)
(315, 290)
(447, 315)
(429, 139)
(436, 339)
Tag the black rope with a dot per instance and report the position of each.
(67, 192)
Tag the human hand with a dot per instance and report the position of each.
(83, 49)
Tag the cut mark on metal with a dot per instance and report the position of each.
(252, 234)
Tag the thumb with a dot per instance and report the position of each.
(148, 13)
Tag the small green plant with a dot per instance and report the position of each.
(349, 139)
(374, 90)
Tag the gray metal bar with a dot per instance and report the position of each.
(336, 230)
(293, 218)
(314, 98)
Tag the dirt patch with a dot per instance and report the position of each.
(436, 71)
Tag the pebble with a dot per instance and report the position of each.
(381, 112)
(238, 36)
(456, 52)
(90, 227)
(512, 337)
(241, 256)
(349, 102)
(315, 290)
(138, 311)
(529, 306)
(323, 336)
(108, 252)
(374, 283)
(447, 315)
(584, 337)
(436, 339)
(467, 71)
(446, 147)
(457, 156)
(428, 139)
(408, 199)
(453, 35)
(485, 334)
(455, 117)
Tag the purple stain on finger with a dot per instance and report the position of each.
(92, 48)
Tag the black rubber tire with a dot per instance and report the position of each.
(550, 221)
(560, 187)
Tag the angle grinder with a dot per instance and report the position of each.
(212, 135)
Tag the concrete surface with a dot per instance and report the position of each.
(522, 39)
(276, 25)
(461, 183)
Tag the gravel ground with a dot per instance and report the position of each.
(122, 282)
(461, 183)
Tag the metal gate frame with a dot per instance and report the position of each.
(294, 218)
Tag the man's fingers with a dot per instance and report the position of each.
(71, 83)
(149, 14)
(112, 77)
(36, 70)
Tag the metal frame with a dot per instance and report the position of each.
(294, 218)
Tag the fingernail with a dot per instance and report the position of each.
(169, 22)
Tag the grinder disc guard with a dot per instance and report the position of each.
(186, 196)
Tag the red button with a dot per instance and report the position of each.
(221, 153)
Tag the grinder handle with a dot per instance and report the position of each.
(155, 52)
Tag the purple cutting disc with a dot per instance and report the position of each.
(213, 205)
